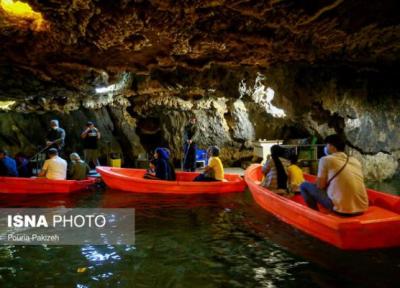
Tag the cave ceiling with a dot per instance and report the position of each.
(87, 42)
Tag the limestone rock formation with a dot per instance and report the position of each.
(247, 69)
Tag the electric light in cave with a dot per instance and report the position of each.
(22, 10)
(107, 89)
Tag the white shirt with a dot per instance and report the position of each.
(56, 168)
(347, 190)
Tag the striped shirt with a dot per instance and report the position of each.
(271, 177)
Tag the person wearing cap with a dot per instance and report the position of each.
(55, 167)
(214, 171)
(91, 136)
(8, 166)
(77, 169)
(340, 183)
(56, 136)
(190, 134)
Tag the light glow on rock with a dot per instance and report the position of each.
(24, 11)
(6, 105)
(123, 83)
(262, 96)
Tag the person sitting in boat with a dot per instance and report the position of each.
(295, 175)
(163, 169)
(22, 165)
(214, 171)
(340, 183)
(55, 167)
(171, 165)
(78, 169)
(151, 171)
(274, 170)
(8, 166)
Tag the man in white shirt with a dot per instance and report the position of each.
(340, 183)
(55, 167)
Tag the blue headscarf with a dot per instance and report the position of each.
(163, 153)
(164, 170)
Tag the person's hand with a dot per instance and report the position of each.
(48, 143)
(190, 141)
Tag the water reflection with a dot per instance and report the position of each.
(195, 241)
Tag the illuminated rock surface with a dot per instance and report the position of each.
(140, 68)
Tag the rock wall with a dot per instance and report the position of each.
(247, 69)
(233, 108)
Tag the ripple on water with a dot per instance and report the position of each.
(195, 241)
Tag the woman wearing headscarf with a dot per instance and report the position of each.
(163, 169)
(275, 169)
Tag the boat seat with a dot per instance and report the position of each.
(376, 212)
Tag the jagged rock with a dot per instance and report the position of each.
(379, 166)
(242, 128)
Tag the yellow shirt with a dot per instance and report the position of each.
(216, 165)
(346, 190)
(295, 177)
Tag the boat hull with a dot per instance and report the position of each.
(131, 180)
(378, 227)
(15, 185)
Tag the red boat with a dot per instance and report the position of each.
(17, 185)
(131, 180)
(378, 227)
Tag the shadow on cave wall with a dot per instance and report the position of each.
(150, 133)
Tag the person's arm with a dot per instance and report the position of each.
(98, 133)
(267, 167)
(186, 133)
(47, 139)
(207, 169)
(43, 172)
(210, 167)
(62, 136)
(84, 133)
(322, 173)
(195, 135)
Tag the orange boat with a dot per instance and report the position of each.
(131, 180)
(17, 185)
(379, 227)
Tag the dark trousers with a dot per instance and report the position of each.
(203, 178)
(312, 196)
(189, 157)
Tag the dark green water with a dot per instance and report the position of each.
(195, 241)
(391, 186)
